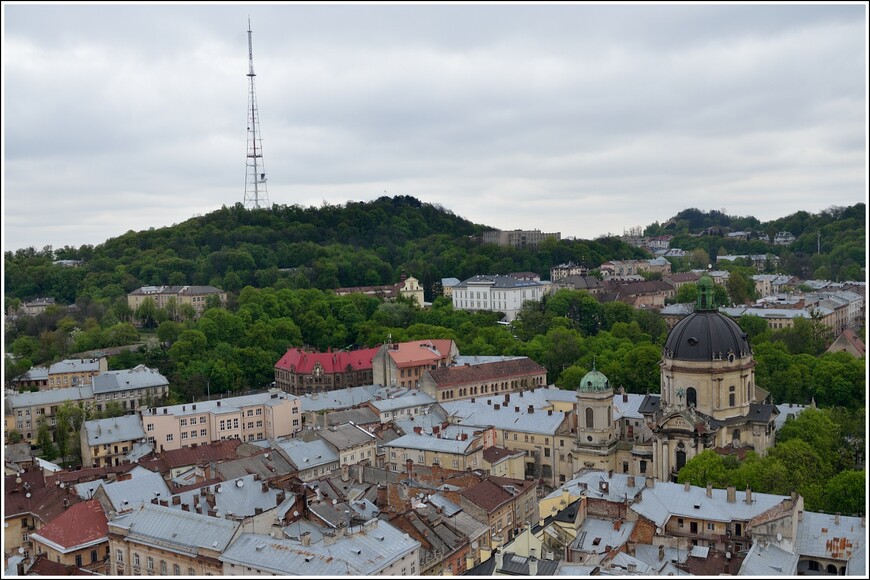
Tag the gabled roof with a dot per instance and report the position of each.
(419, 352)
(113, 430)
(494, 492)
(82, 525)
(176, 529)
(139, 377)
(214, 451)
(493, 455)
(460, 375)
(303, 362)
(346, 436)
(33, 496)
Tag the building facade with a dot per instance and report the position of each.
(462, 382)
(132, 388)
(403, 364)
(163, 296)
(496, 294)
(300, 372)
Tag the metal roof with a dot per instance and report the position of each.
(816, 533)
(364, 553)
(176, 530)
(770, 560)
(347, 398)
(413, 399)
(346, 436)
(113, 430)
(599, 536)
(506, 418)
(139, 377)
(429, 443)
(304, 455)
(141, 488)
(75, 365)
(229, 405)
(51, 397)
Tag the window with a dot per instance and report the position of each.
(295, 422)
(163, 567)
(149, 427)
(235, 423)
(136, 559)
(150, 563)
(250, 412)
(184, 422)
(202, 419)
(731, 396)
(590, 419)
(169, 437)
(259, 423)
(260, 411)
(680, 522)
(643, 466)
(119, 556)
(191, 572)
(184, 434)
(94, 556)
(711, 526)
(78, 560)
(176, 570)
(202, 432)
(546, 451)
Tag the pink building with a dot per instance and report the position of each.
(248, 418)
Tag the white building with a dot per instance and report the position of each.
(497, 294)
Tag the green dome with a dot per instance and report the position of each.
(594, 382)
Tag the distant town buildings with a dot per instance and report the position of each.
(163, 296)
(518, 238)
(301, 371)
(496, 293)
(408, 287)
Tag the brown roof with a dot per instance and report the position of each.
(465, 374)
(45, 501)
(214, 451)
(638, 288)
(80, 524)
(42, 566)
(419, 352)
(86, 474)
(684, 277)
(491, 493)
(495, 454)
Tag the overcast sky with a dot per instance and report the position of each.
(580, 119)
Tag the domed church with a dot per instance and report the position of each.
(708, 401)
(708, 393)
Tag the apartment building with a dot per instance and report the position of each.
(466, 381)
(105, 442)
(158, 540)
(162, 296)
(496, 294)
(505, 505)
(518, 238)
(353, 444)
(464, 452)
(27, 409)
(249, 418)
(131, 388)
(403, 363)
(78, 537)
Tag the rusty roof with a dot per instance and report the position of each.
(81, 524)
(459, 375)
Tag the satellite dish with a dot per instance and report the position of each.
(21, 550)
(17, 480)
(295, 514)
(27, 495)
(778, 537)
(240, 483)
(658, 530)
(335, 501)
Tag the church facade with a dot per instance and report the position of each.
(708, 400)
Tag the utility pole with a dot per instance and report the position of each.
(819, 243)
(256, 196)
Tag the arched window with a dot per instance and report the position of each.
(732, 397)
(735, 436)
(590, 419)
(691, 397)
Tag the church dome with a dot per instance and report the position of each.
(706, 335)
(594, 382)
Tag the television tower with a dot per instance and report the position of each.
(256, 196)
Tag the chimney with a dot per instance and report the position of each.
(345, 476)
(499, 560)
(610, 474)
(650, 482)
(687, 486)
(496, 406)
(360, 472)
(531, 409)
(630, 481)
(306, 538)
(837, 519)
(418, 430)
(185, 507)
(748, 499)
(731, 494)
(549, 412)
(533, 566)
(516, 409)
(661, 552)
(436, 429)
(709, 489)
(465, 437)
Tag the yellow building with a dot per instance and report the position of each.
(77, 537)
(105, 442)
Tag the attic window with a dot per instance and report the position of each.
(692, 341)
(697, 506)
(596, 541)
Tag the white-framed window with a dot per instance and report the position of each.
(295, 422)
(149, 427)
(149, 563)
(136, 559)
(259, 411)
(203, 432)
(119, 556)
(184, 434)
(235, 423)
(202, 419)
(259, 423)
(169, 437)
(184, 422)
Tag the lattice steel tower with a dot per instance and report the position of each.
(256, 196)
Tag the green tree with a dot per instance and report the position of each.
(706, 467)
(844, 493)
(15, 436)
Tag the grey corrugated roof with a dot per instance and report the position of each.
(346, 436)
(183, 531)
(816, 530)
(347, 398)
(515, 565)
(482, 360)
(139, 377)
(479, 413)
(309, 454)
(113, 430)
(765, 561)
(413, 399)
(429, 443)
(51, 397)
(75, 365)
(497, 282)
(363, 416)
(448, 507)
(141, 488)
(228, 405)
(596, 535)
(363, 554)
(233, 499)
(448, 282)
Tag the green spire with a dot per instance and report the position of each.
(705, 294)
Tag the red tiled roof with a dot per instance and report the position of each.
(854, 340)
(80, 524)
(215, 451)
(420, 352)
(465, 374)
(42, 566)
(332, 362)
